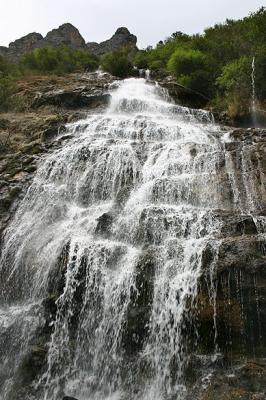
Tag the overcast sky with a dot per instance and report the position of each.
(150, 20)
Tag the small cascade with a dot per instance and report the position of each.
(145, 73)
(103, 264)
(253, 100)
(148, 74)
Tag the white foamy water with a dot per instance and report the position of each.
(121, 216)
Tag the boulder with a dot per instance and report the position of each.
(71, 99)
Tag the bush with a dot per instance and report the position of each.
(7, 89)
(186, 62)
(117, 63)
(199, 81)
(141, 60)
(260, 74)
(234, 86)
(190, 68)
(58, 60)
(235, 76)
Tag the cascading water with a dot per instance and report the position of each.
(253, 100)
(112, 232)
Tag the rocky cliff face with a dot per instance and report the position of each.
(121, 38)
(67, 35)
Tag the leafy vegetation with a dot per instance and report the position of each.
(216, 63)
(8, 98)
(48, 60)
(58, 60)
(117, 63)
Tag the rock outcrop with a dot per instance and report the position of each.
(66, 35)
(182, 95)
(122, 38)
(69, 36)
(25, 44)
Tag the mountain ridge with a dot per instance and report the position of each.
(68, 35)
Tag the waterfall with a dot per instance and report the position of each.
(148, 74)
(145, 73)
(100, 266)
(253, 100)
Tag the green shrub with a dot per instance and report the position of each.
(58, 60)
(235, 76)
(186, 62)
(7, 88)
(117, 63)
(260, 75)
(190, 68)
(234, 86)
(198, 81)
(141, 60)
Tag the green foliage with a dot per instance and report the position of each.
(117, 63)
(217, 63)
(141, 60)
(234, 86)
(190, 68)
(7, 85)
(185, 62)
(9, 99)
(260, 78)
(58, 60)
(6, 91)
(235, 75)
(4, 67)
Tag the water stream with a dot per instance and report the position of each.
(253, 100)
(114, 227)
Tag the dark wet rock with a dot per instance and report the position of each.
(232, 298)
(77, 116)
(104, 224)
(72, 99)
(121, 39)
(139, 309)
(245, 382)
(182, 95)
(53, 131)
